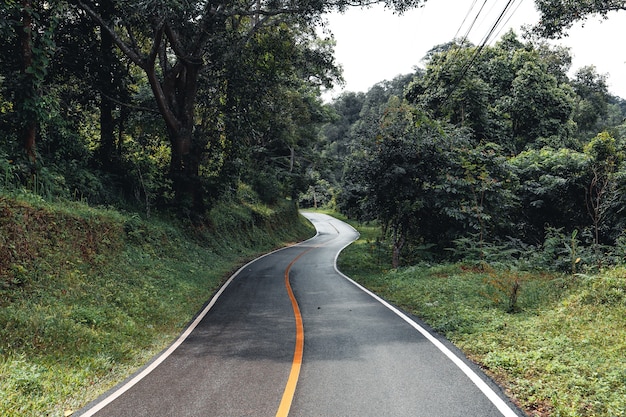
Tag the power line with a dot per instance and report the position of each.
(479, 49)
(456, 35)
(509, 18)
(497, 23)
(469, 29)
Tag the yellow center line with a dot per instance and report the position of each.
(290, 388)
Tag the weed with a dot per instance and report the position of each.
(503, 287)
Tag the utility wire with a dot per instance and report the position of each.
(509, 18)
(456, 35)
(498, 21)
(478, 50)
(457, 51)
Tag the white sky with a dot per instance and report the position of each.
(375, 45)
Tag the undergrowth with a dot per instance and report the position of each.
(556, 342)
(88, 295)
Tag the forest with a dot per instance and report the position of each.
(496, 160)
(171, 106)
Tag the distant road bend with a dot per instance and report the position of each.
(288, 335)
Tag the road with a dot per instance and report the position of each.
(289, 335)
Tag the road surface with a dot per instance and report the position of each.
(289, 335)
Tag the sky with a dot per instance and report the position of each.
(375, 44)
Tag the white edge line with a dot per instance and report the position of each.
(495, 399)
(155, 363)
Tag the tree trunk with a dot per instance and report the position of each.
(398, 244)
(180, 90)
(184, 171)
(175, 87)
(107, 86)
(29, 128)
(175, 96)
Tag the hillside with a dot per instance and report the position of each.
(88, 295)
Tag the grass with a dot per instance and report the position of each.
(559, 349)
(89, 295)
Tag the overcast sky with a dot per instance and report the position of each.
(375, 45)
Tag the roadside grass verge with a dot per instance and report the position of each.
(89, 295)
(558, 350)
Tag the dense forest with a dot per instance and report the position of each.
(172, 106)
(455, 160)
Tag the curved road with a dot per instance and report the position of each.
(289, 335)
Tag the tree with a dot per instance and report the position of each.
(480, 193)
(110, 79)
(453, 89)
(551, 190)
(559, 15)
(30, 26)
(178, 44)
(600, 192)
(337, 133)
(540, 107)
(277, 113)
(512, 94)
(364, 111)
(593, 98)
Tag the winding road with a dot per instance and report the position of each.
(289, 335)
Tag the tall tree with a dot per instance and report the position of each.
(512, 93)
(606, 159)
(593, 97)
(176, 44)
(427, 183)
(540, 107)
(30, 25)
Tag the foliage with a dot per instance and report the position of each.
(552, 190)
(427, 184)
(29, 32)
(559, 15)
(540, 107)
(510, 94)
(602, 189)
(490, 149)
(593, 98)
(235, 56)
(560, 353)
(226, 91)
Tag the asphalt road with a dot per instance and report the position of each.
(289, 335)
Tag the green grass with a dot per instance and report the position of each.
(560, 350)
(89, 295)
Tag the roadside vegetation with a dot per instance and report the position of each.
(88, 295)
(555, 341)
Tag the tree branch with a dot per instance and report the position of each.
(128, 51)
(171, 120)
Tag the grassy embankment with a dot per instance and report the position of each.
(89, 295)
(562, 352)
